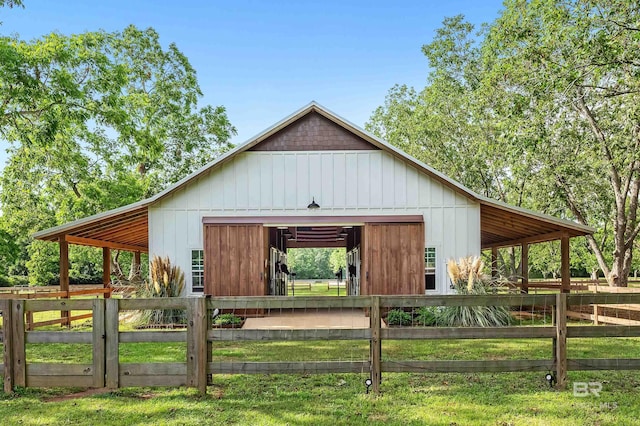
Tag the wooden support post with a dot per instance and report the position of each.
(64, 277)
(494, 262)
(18, 343)
(561, 341)
(197, 344)
(524, 266)
(564, 267)
(112, 362)
(136, 260)
(99, 355)
(376, 344)
(7, 343)
(106, 269)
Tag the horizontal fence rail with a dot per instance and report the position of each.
(200, 337)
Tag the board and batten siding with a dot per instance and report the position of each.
(342, 182)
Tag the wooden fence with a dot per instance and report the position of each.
(620, 314)
(200, 337)
(65, 317)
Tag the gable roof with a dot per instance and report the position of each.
(313, 132)
(546, 224)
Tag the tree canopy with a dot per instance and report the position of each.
(538, 109)
(95, 121)
(321, 263)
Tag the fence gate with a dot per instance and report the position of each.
(105, 338)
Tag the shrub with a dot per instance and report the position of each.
(227, 319)
(398, 317)
(467, 278)
(5, 281)
(20, 280)
(426, 316)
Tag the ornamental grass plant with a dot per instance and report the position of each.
(468, 278)
(165, 280)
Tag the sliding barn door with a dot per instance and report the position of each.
(234, 260)
(393, 258)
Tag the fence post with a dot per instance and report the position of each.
(29, 320)
(561, 340)
(18, 343)
(197, 344)
(595, 309)
(376, 344)
(112, 362)
(99, 355)
(209, 348)
(7, 342)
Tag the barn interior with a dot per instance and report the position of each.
(282, 238)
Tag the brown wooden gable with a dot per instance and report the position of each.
(313, 132)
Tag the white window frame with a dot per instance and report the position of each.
(433, 270)
(196, 270)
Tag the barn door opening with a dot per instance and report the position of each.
(393, 258)
(283, 271)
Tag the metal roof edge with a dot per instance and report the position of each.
(381, 143)
(249, 143)
(347, 125)
(344, 123)
(148, 201)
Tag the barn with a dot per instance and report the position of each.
(314, 180)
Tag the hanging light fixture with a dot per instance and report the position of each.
(313, 204)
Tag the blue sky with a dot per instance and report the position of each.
(263, 60)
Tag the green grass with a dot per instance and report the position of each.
(521, 398)
(318, 289)
(340, 399)
(346, 350)
(336, 399)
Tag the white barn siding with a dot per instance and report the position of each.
(342, 182)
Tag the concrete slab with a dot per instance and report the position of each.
(309, 320)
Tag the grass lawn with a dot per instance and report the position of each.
(317, 288)
(502, 399)
(340, 399)
(336, 399)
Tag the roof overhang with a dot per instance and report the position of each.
(502, 225)
(126, 228)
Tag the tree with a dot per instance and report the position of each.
(576, 64)
(11, 3)
(311, 263)
(338, 260)
(8, 252)
(96, 121)
(459, 125)
(539, 110)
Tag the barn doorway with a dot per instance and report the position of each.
(286, 242)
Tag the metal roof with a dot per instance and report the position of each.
(500, 223)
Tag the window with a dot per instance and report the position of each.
(430, 268)
(197, 271)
